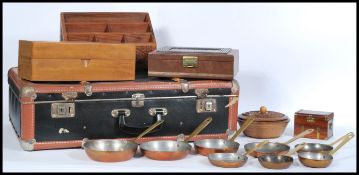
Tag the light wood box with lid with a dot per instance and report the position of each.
(76, 61)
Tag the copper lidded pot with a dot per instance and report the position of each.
(267, 124)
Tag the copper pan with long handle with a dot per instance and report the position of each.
(209, 146)
(114, 150)
(319, 147)
(279, 161)
(170, 149)
(321, 159)
(274, 148)
(231, 160)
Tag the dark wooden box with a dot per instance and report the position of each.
(321, 122)
(110, 27)
(192, 62)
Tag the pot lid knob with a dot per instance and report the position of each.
(263, 109)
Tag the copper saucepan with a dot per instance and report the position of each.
(274, 148)
(320, 159)
(209, 146)
(231, 160)
(279, 161)
(170, 149)
(317, 147)
(113, 150)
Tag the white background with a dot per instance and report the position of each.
(292, 56)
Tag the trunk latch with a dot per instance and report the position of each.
(206, 105)
(138, 100)
(62, 110)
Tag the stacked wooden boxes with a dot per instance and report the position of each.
(87, 85)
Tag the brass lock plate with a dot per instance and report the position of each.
(310, 119)
(189, 61)
(206, 105)
(62, 110)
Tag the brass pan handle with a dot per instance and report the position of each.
(199, 128)
(302, 134)
(296, 149)
(346, 140)
(259, 145)
(243, 127)
(341, 138)
(149, 129)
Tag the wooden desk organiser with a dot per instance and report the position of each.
(110, 27)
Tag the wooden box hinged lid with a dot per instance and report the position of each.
(76, 61)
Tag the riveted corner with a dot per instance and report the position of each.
(235, 86)
(28, 91)
(27, 145)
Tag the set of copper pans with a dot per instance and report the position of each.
(113, 150)
(277, 155)
(220, 152)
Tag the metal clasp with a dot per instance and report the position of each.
(87, 88)
(139, 100)
(189, 61)
(154, 111)
(62, 110)
(158, 112)
(206, 105)
(184, 86)
(69, 96)
(201, 93)
(120, 112)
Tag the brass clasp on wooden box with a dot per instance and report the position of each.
(190, 61)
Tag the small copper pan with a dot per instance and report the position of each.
(279, 161)
(274, 148)
(320, 159)
(317, 147)
(113, 150)
(231, 160)
(209, 146)
(170, 149)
